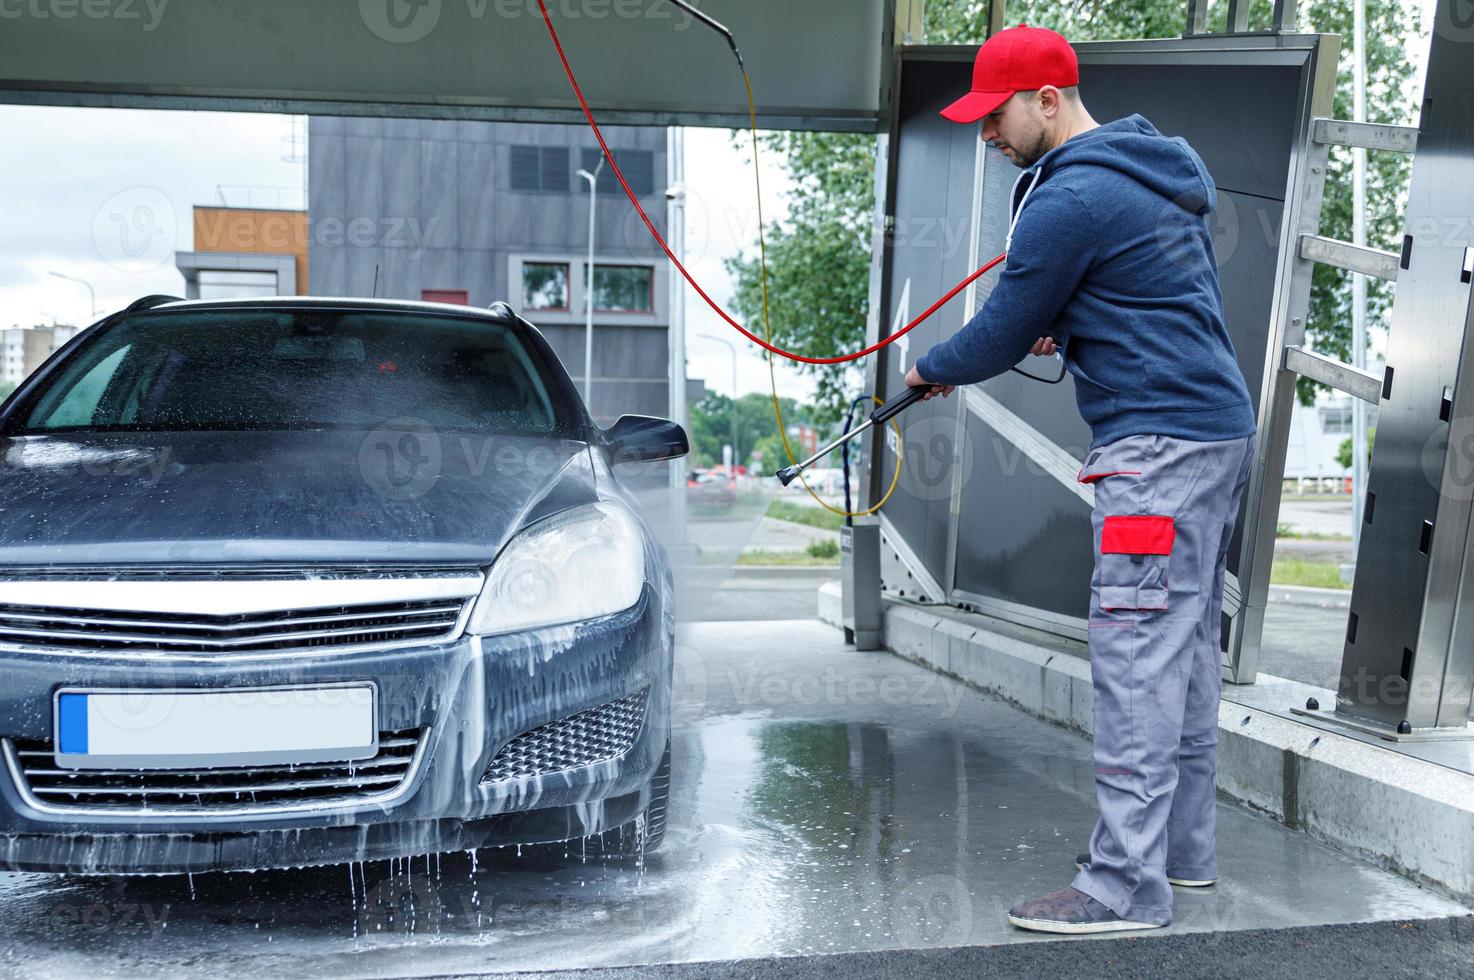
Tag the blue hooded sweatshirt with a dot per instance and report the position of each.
(1110, 254)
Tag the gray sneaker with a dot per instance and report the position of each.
(1083, 858)
(1071, 911)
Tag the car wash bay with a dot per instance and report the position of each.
(824, 800)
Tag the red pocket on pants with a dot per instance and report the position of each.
(1134, 550)
(1138, 535)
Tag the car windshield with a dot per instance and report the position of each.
(218, 369)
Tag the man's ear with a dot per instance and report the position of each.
(1049, 100)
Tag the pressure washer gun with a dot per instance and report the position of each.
(880, 416)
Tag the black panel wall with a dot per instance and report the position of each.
(1023, 536)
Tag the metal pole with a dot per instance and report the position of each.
(90, 291)
(588, 293)
(675, 168)
(732, 471)
(1358, 282)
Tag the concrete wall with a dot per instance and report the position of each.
(429, 204)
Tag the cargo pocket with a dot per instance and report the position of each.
(1134, 551)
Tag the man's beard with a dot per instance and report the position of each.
(1028, 157)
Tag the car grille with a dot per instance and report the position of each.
(596, 735)
(232, 788)
(88, 629)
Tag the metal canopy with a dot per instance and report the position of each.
(818, 65)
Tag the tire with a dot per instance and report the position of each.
(624, 841)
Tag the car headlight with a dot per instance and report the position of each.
(581, 564)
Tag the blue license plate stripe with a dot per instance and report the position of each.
(72, 723)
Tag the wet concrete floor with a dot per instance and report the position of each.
(823, 800)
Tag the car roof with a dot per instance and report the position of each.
(499, 311)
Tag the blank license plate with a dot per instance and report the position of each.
(107, 729)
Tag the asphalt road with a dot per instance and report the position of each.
(1435, 949)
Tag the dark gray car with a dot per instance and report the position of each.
(293, 581)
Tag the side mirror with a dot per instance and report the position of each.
(644, 439)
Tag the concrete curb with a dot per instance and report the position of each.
(1305, 595)
(1412, 817)
(786, 571)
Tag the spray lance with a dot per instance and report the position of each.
(880, 416)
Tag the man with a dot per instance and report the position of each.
(1110, 261)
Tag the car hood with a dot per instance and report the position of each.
(397, 494)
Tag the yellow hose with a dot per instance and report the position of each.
(768, 335)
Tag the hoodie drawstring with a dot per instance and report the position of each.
(1033, 176)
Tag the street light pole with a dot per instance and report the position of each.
(732, 470)
(588, 292)
(1358, 282)
(675, 194)
(90, 291)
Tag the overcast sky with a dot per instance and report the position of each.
(105, 195)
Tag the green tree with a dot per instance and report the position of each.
(1343, 454)
(819, 256)
(818, 259)
(711, 426)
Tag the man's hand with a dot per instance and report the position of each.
(913, 379)
(1044, 347)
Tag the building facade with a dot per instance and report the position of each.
(26, 348)
(474, 212)
(245, 252)
(1316, 434)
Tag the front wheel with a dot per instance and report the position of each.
(643, 834)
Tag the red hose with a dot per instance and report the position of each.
(709, 301)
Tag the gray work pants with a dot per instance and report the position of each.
(1164, 513)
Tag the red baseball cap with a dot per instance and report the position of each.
(1020, 59)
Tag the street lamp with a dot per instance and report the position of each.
(90, 291)
(732, 470)
(675, 221)
(588, 290)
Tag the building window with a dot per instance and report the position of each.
(638, 167)
(230, 284)
(545, 285)
(457, 296)
(540, 168)
(624, 288)
(1335, 419)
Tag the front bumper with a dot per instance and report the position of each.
(466, 699)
